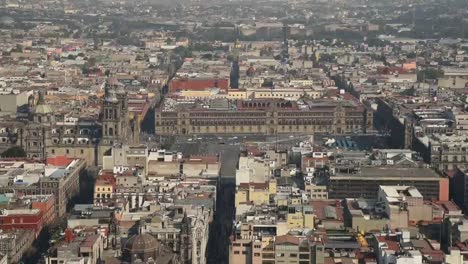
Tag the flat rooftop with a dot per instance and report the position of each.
(389, 173)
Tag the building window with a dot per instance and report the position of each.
(68, 151)
(53, 151)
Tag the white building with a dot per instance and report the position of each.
(252, 169)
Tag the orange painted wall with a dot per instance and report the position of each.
(48, 209)
(444, 190)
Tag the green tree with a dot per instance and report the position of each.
(429, 74)
(14, 152)
(267, 83)
(85, 70)
(409, 92)
(183, 52)
(207, 56)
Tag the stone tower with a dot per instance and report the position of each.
(36, 134)
(43, 113)
(186, 240)
(115, 115)
(122, 97)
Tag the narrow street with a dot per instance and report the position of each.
(221, 228)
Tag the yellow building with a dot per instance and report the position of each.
(255, 193)
(316, 192)
(300, 217)
(215, 93)
(241, 196)
(281, 93)
(103, 190)
(281, 201)
(237, 94)
(243, 251)
(209, 93)
(295, 200)
(295, 220)
(272, 186)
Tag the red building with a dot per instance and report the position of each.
(193, 84)
(107, 176)
(45, 203)
(31, 219)
(59, 161)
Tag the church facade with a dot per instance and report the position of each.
(47, 133)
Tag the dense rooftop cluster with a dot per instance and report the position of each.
(235, 132)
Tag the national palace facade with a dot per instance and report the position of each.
(266, 117)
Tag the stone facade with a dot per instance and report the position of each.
(449, 156)
(46, 133)
(15, 243)
(267, 117)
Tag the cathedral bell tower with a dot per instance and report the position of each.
(122, 97)
(112, 117)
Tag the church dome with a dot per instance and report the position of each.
(143, 247)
